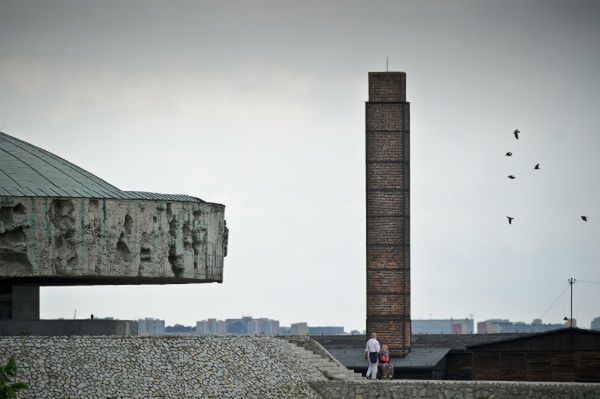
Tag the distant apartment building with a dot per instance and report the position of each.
(261, 326)
(304, 329)
(299, 329)
(207, 327)
(212, 326)
(442, 326)
(274, 327)
(243, 326)
(328, 330)
(222, 327)
(266, 326)
(493, 326)
(202, 328)
(151, 327)
(596, 324)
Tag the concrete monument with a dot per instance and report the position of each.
(61, 225)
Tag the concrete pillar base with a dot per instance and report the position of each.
(19, 301)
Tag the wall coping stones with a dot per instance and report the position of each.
(455, 389)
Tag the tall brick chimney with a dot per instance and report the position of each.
(388, 210)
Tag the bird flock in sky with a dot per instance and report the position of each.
(536, 167)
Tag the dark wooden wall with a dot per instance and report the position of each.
(565, 355)
(458, 366)
(581, 366)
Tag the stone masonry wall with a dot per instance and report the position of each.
(222, 367)
(313, 346)
(454, 390)
(164, 367)
(111, 241)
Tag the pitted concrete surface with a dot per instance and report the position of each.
(60, 224)
(111, 241)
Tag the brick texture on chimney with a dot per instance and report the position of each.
(388, 210)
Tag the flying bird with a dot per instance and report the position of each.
(537, 166)
(509, 219)
(509, 154)
(516, 133)
(511, 177)
(584, 218)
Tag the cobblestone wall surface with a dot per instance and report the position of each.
(164, 367)
(455, 390)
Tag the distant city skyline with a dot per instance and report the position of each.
(261, 107)
(450, 325)
(245, 325)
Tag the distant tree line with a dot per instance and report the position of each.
(179, 328)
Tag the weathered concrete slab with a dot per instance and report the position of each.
(111, 241)
(60, 224)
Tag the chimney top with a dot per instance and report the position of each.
(387, 86)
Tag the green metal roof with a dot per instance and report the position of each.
(30, 171)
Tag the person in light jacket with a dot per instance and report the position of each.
(372, 355)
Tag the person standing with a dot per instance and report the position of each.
(372, 355)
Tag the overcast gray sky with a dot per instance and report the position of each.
(259, 105)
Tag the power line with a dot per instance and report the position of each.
(589, 281)
(556, 300)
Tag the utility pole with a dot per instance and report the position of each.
(571, 282)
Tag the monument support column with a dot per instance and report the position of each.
(388, 210)
(19, 301)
